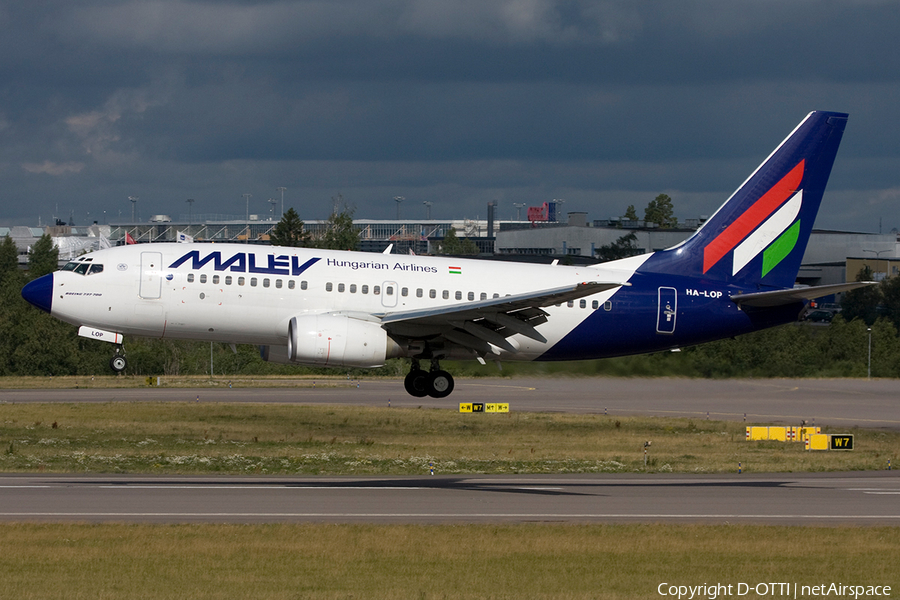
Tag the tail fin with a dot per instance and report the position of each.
(758, 237)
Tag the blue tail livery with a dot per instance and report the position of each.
(329, 308)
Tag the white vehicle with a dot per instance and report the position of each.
(332, 308)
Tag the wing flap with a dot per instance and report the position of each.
(484, 327)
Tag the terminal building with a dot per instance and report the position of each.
(831, 256)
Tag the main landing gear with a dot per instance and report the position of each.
(118, 363)
(435, 383)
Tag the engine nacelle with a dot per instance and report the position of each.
(331, 340)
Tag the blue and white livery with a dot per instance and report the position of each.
(319, 307)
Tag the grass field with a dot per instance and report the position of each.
(279, 439)
(367, 561)
(565, 561)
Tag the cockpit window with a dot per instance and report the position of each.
(83, 268)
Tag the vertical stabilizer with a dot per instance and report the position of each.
(758, 237)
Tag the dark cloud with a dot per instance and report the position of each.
(458, 103)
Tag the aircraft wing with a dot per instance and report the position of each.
(478, 325)
(781, 297)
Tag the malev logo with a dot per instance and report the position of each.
(770, 226)
(245, 262)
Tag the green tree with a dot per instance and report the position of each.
(340, 233)
(623, 247)
(890, 294)
(661, 212)
(630, 213)
(862, 303)
(289, 231)
(44, 257)
(9, 261)
(456, 246)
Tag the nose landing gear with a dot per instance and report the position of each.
(436, 382)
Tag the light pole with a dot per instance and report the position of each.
(134, 200)
(878, 254)
(273, 202)
(398, 200)
(519, 206)
(428, 204)
(869, 373)
(247, 198)
(281, 189)
(190, 203)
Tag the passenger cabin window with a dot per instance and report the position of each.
(404, 292)
(432, 293)
(352, 288)
(595, 304)
(266, 282)
(329, 287)
(458, 295)
(303, 285)
(389, 290)
(228, 280)
(365, 289)
(419, 292)
(341, 288)
(376, 289)
(483, 296)
(216, 279)
(292, 284)
(190, 278)
(582, 303)
(241, 281)
(471, 296)
(445, 294)
(278, 283)
(253, 282)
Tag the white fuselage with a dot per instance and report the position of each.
(248, 294)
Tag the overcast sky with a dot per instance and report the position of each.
(602, 104)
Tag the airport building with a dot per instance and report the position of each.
(831, 256)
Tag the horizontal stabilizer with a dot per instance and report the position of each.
(782, 297)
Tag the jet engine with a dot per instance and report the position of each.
(334, 340)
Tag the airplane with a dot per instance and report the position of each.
(309, 306)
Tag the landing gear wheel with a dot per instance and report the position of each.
(416, 383)
(440, 384)
(118, 363)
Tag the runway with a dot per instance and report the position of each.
(840, 402)
(836, 498)
(792, 499)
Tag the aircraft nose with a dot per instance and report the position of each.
(39, 292)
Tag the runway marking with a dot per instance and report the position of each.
(760, 416)
(251, 487)
(291, 487)
(442, 515)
